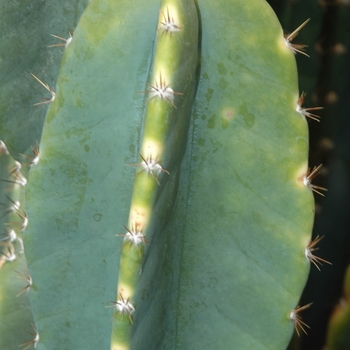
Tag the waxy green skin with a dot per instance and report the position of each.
(225, 262)
(164, 137)
(79, 194)
(242, 218)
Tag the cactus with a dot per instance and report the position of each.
(207, 242)
(325, 79)
(15, 311)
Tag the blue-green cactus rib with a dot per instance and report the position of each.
(79, 193)
(170, 95)
(231, 261)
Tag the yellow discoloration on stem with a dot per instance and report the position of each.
(118, 346)
(139, 217)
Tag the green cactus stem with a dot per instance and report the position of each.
(188, 208)
(246, 215)
(171, 91)
(15, 312)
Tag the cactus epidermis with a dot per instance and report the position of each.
(226, 227)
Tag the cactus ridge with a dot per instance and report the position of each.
(296, 48)
(15, 313)
(238, 185)
(170, 96)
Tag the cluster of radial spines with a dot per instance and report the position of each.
(309, 253)
(8, 255)
(134, 237)
(22, 224)
(168, 23)
(15, 178)
(10, 238)
(24, 276)
(33, 342)
(299, 325)
(161, 89)
(309, 176)
(296, 48)
(47, 87)
(32, 160)
(307, 112)
(64, 42)
(122, 307)
(151, 166)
